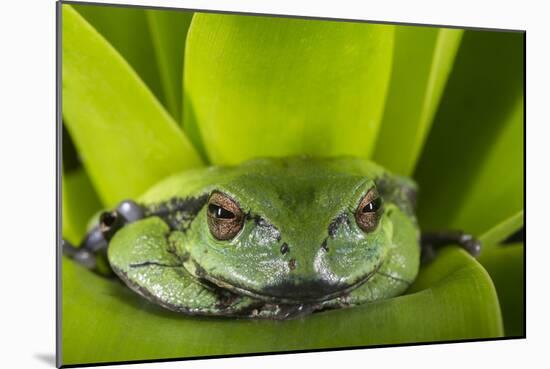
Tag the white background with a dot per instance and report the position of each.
(27, 182)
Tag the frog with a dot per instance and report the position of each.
(271, 238)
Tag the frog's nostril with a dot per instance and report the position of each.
(284, 248)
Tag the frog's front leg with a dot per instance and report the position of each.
(81, 255)
(431, 241)
(92, 251)
(144, 255)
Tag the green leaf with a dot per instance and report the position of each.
(79, 203)
(125, 138)
(258, 86)
(471, 171)
(497, 234)
(498, 186)
(127, 30)
(169, 32)
(505, 264)
(423, 58)
(453, 299)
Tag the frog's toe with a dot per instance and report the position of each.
(81, 255)
(94, 241)
(126, 212)
(431, 241)
(470, 244)
(130, 210)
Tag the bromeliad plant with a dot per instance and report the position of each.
(150, 93)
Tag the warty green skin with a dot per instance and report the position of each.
(171, 257)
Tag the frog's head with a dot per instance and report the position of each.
(289, 233)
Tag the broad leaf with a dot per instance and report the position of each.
(169, 33)
(498, 188)
(103, 320)
(471, 171)
(423, 58)
(258, 86)
(127, 30)
(125, 138)
(505, 264)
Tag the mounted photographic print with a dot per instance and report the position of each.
(239, 184)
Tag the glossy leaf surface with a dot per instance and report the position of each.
(265, 86)
(423, 58)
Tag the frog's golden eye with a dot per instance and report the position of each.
(225, 217)
(368, 211)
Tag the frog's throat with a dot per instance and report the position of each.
(240, 290)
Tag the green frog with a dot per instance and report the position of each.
(271, 238)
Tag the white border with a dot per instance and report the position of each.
(469, 13)
(27, 148)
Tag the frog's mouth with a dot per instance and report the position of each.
(295, 292)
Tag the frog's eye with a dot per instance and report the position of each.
(225, 218)
(368, 211)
